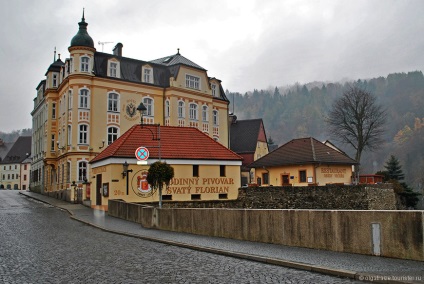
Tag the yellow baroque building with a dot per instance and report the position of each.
(88, 100)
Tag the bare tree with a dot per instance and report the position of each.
(356, 119)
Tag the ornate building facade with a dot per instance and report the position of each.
(88, 100)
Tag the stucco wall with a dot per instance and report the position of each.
(343, 230)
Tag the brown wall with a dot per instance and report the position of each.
(336, 230)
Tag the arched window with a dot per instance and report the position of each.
(205, 113)
(70, 99)
(112, 103)
(82, 170)
(83, 98)
(112, 135)
(193, 111)
(148, 103)
(85, 63)
(167, 109)
(215, 117)
(181, 111)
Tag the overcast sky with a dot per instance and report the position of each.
(247, 44)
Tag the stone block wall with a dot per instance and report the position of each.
(360, 197)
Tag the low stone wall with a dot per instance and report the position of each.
(360, 197)
(400, 233)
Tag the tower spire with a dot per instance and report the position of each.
(83, 18)
(54, 54)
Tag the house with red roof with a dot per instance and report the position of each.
(204, 169)
(303, 162)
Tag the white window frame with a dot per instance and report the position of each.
(181, 109)
(215, 116)
(83, 137)
(192, 82)
(112, 134)
(205, 115)
(54, 79)
(148, 75)
(54, 110)
(213, 87)
(116, 71)
(84, 63)
(149, 104)
(71, 65)
(70, 99)
(84, 99)
(194, 111)
(69, 134)
(82, 170)
(113, 69)
(167, 108)
(113, 102)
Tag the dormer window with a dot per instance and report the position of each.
(214, 93)
(113, 70)
(192, 82)
(113, 66)
(84, 63)
(147, 75)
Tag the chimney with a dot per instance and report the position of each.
(117, 50)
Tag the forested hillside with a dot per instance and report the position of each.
(300, 110)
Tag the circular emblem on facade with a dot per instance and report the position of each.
(131, 110)
(142, 153)
(142, 188)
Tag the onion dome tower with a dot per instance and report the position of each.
(82, 38)
(82, 50)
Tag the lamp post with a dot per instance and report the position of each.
(141, 108)
(125, 172)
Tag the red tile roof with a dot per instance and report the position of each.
(303, 151)
(175, 143)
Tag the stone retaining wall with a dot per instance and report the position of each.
(400, 232)
(360, 197)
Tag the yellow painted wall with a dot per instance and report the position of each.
(321, 175)
(208, 186)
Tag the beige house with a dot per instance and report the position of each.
(203, 168)
(303, 162)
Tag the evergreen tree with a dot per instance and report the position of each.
(394, 169)
(394, 174)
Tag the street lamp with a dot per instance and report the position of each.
(141, 108)
(125, 172)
